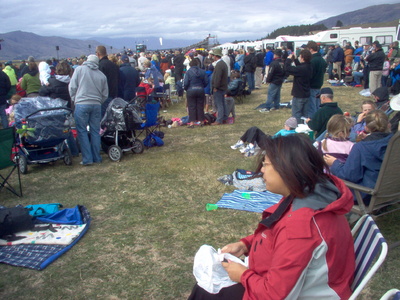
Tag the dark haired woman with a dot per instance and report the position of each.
(194, 82)
(303, 247)
(30, 82)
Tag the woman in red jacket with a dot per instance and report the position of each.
(303, 247)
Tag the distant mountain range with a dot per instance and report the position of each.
(18, 45)
(371, 14)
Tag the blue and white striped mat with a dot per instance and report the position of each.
(248, 200)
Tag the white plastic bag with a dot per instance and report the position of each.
(208, 270)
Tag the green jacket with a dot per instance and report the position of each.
(31, 84)
(318, 65)
(11, 74)
(322, 116)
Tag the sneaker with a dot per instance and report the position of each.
(239, 144)
(263, 110)
(249, 148)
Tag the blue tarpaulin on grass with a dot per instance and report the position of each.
(248, 200)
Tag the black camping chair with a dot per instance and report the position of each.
(7, 143)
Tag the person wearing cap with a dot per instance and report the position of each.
(318, 65)
(219, 84)
(30, 82)
(275, 78)
(88, 90)
(250, 68)
(327, 109)
(260, 54)
(375, 62)
(129, 79)
(337, 59)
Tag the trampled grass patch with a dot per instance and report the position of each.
(149, 214)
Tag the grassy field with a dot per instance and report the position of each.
(148, 213)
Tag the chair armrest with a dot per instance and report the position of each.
(359, 188)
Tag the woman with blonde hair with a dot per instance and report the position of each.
(336, 141)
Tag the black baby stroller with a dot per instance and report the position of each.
(43, 126)
(118, 129)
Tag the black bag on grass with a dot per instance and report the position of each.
(14, 219)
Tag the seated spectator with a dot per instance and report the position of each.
(235, 84)
(365, 159)
(327, 109)
(10, 110)
(148, 86)
(303, 245)
(381, 96)
(336, 141)
(348, 70)
(359, 125)
(254, 135)
(152, 72)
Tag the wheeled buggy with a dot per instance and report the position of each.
(43, 127)
(118, 129)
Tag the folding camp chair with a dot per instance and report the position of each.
(7, 143)
(393, 294)
(151, 119)
(368, 240)
(387, 188)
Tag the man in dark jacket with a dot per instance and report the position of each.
(5, 86)
(178, 61)
(324, 113)
(129, 79)
(250, 67)
(258, 75)
(375, 62)
(338, 59)
(111, 71)
(219, 83)
(301, 72)
(275, 77)
(318, 65)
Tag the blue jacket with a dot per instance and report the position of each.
(337, 54)
(195, 78)
(364, 161)
(268, 58)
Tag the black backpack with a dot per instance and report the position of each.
(14, 219)
(209, 118)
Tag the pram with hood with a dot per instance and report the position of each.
(118, 129)
(43, 127)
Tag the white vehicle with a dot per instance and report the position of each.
(292, 42)
(365, 36)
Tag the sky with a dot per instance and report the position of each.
(167, 19)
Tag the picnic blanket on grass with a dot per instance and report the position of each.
(38, 257)
(248, 200)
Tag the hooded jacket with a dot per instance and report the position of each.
(57, 88)
(88, 85)
(308, 253)
(11, 74)
(364, 161)
(195, 78)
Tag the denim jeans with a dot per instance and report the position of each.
(3, 116)
(219, 100)
(299, 108)
(250, 80)
(88, 114)
(313, 103)
(357, 77)
(274, 96)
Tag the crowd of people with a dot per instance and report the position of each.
(310, 218)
